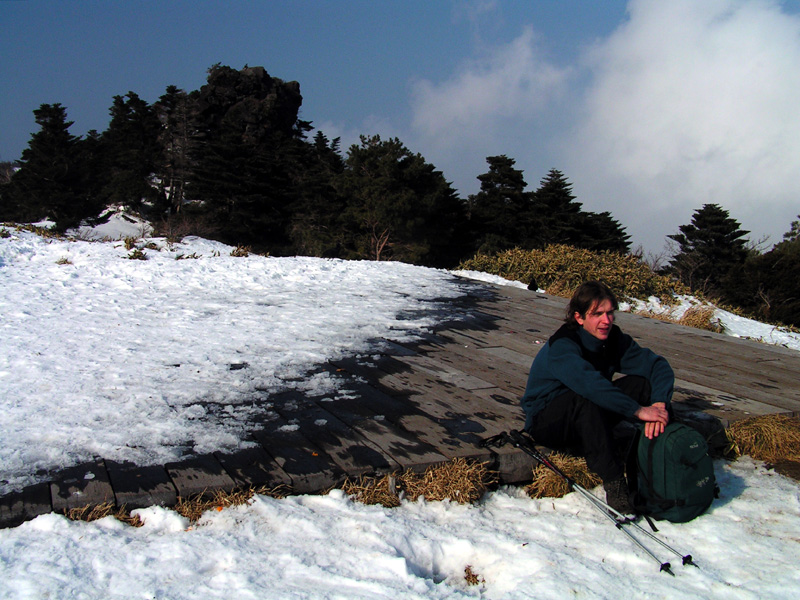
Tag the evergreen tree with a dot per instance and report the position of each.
(6, 171)
(769, 283)
(316, 228)
(709, 248)
(174, 112)
(600, 232)
(557, 213)
(500, 214)
(792, 237)
(246, 145)
(50, 182)
(400, 207)
(131, 152)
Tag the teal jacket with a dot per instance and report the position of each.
(575, 360)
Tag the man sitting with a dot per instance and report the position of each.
(571, 401)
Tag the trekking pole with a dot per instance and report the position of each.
(526, 445)
(520, 441)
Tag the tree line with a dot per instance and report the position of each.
(233, 161)
(715, 258)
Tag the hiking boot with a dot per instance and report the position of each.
(617, 496)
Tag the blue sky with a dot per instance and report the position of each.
(650, 108)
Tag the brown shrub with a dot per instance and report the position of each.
(241, 251)
(767, 437)
(547, 484)
(193, 507)
(699, 317)
(560, 269)
(94, 512)
(459, 480)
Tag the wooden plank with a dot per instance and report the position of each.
(502, 367)
(525, 342)
(379, 418)
(693, 350)
(462, 412)
(27, 504)
(456, 421)
(351, 451)
(140, 487)
(442, 372)
(389, 421)
(309, 468)
(694, 398)
(406, 448)
(746, 389)
(712, 348)
(199, 476)
(488, 367)
(512, 465)
(518, 359)
(398, 381)
(81, 486)
(364, 401)
(252, 468)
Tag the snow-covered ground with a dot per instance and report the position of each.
(132, 360)
(139, 360)
(312, 547)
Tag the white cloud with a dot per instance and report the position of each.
(479, 110)
(349, 136)
(693, 103)
(687, 103)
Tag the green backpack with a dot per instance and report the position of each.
(674, 475)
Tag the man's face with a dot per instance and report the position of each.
(598, 319)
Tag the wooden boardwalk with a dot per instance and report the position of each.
(417, 405)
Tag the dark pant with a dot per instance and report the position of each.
(573, 421)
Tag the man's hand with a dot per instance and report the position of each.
(655, 418)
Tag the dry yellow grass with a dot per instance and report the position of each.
(100, 511)
(700, 316)
(560, 269)
(547, 484)
(241, 251)
(770, 438)
(459, 480)
(194, 507)
(471, 577)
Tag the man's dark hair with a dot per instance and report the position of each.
(585, 297)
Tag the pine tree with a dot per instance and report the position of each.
(600, 232)
(399, 206)
(247, 140)
(51, 182)
(500, 214)
(174, 112)
(131, 152)
(792, 236)
(769, 284)
(557, 212)
(709, 248)
(316, 228)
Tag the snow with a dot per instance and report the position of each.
(116, 224)
(144, 360)
(329, 546)
(731, 324)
